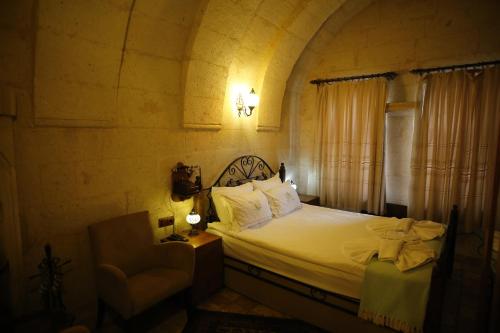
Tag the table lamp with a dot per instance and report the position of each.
(193, 218)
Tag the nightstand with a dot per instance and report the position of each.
(309, 199)
(209, 265)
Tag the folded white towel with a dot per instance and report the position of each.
(389, 249)
(399, 235)
(413, 255)
(406, 229)
(361, 250)
(404, 225)
(382, 224)
(427, 230)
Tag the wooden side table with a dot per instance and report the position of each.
(309, 199)
(209, 265)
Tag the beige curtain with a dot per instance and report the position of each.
(455, 143)
(350, 139)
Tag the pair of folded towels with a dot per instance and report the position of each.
(406, 229)
(363, 250)
(399, 241)
(406, 255)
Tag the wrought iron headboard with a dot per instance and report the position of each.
(240, 171)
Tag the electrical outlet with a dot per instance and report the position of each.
(165, 221)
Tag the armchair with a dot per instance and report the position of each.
(132, 272)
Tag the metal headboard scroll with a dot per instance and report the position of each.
(240, 171)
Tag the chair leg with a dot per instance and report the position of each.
(101, 312)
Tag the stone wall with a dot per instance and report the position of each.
(102, 125)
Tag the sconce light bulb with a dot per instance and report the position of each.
(253, 99)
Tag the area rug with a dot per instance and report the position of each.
(202, 321)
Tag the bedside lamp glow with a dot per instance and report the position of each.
(193, 218)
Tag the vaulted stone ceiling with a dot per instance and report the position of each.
(95, 58)
(250, 43)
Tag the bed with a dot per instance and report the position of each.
(309, 277)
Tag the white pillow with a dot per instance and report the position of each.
(267, 184)
(283, 199)
(220, 204)
(248, 210)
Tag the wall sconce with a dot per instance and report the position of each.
(246, 105)
(193, 219)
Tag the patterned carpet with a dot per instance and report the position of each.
(203, 321)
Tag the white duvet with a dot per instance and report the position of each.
(312, 234)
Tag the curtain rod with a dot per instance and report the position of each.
(387, 75)
(421, 71)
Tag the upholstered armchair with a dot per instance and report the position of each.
(132, 272)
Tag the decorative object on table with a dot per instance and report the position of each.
(193, 218)
(212, 321)
(186, 180)
(51, 290)
(282, 172)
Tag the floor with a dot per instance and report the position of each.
(460, 313)
(460, 309)
(156, 321)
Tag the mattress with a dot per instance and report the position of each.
(305, 245)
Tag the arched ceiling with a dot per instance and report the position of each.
(251, 43)
(170, 54)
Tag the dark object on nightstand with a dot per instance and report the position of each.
(395, 210)
(175, 238)
(309, 199)
(209, 266)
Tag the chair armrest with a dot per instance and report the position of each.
(112, 288)
(176, 255)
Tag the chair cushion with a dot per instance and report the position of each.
(151, 286)
(123, 241)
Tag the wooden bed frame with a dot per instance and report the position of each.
(330, 311)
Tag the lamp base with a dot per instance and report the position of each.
(193, 232)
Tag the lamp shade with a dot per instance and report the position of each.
(193, 217)
(252, 100)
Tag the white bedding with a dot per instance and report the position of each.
(305, 245)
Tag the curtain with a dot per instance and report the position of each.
(455, 143)
(350, 139)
